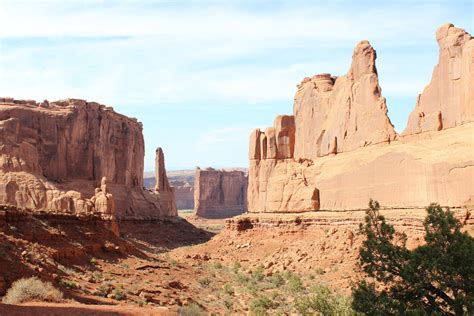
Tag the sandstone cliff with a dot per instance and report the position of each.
(447, 101)
(219, 193)
(339, 149)
(53, 155)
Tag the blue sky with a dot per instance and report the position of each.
(201, 75)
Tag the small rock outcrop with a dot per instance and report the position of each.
(339, 148)
(54, 154)
(219, 193)
(447, 101)
(103, 201)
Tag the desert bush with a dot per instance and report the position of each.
(294, 283)
(102, 290)
(228, 289)
(228, 303)
(323, 301)
(119, 295)
(68, 284)
(260, 306)
(217, 265)
(32, 289)
(204, 282)
(241, 278)
(434, 278)
(319, 271)
(192, 309)
(257, 274)
(236, 267)
(277, 280)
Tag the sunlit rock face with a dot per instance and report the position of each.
(54, 154)
(219, 193)
(447, 101)
(339, 148)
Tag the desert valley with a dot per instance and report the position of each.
(77, 209)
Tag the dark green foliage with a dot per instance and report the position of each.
(436, 278)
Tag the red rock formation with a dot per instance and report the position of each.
(338, 114)
(447, 101)
(53, 155)
(162, 187)
(344, 115)
(219, 193)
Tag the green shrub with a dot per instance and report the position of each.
(260, 306)
(191, 310)
(295, 284)
(205, 282)
(241, 278)
(236, 267)
(119, 295)
(68, 284)
(102, 290)
(228, 289)
(323, 301)
(32, 289)
(217, 265)
(277, 280)
(228, 304)
(257, 274)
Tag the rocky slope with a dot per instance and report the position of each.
(339, 149)
(219, 193)
(53, 155)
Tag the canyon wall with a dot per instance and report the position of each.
(339, 148)
(182, 182)
(447, 101)
(53, 155)
(219, 193)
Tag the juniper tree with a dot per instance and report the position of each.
(436, 278)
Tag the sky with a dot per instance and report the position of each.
(201, 75)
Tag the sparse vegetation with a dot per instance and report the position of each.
(322, 300)
(32, 289)
(68, 284)
(260, 306)
(192, 309)
(118, 294)
(204, 282)
(228, 289)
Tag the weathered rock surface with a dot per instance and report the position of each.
(219, 193)
(345, 151)
(338, 114)
(162, 187)
(447, 101)
(53, 155)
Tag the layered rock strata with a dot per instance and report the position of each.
(53, 155)
(447, 101)
(339, 149)
(219, 193)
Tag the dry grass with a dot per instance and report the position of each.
(32, 289)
